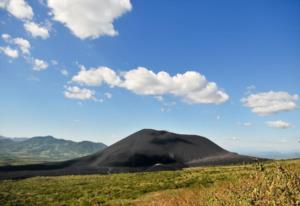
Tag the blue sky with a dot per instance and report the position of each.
(58, 84)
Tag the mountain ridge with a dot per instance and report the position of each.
(43, 149)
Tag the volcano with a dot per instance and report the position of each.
(145, 150)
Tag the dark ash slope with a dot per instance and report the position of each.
(145, 150)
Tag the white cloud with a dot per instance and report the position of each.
(270, 102)
(108, 95)
(13, 53)
(23, 11)
(78, 93)
(190, 86)
(23, 44)
(89, 18)
(64, 72)
(96, 76)
(37, 30)
(279, 124)
(39, 65)
(5, 37)
(145, 82)
(18, 8)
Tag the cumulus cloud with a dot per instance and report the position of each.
(37, 30)
(78, 93)
(89, 18)
(191, 86)
(23, 44)
(23, 11)
(145, 82)
(39, 65)
(267, 103)
(18, 8)
(279, 124)
(97, 76)
(13, 53)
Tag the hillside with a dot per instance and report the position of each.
(268, 184)
(145, 150)
(148, 148)
(43, 148)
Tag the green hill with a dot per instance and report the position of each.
(43, 148)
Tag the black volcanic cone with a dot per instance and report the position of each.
(145, 150)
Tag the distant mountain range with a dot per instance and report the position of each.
(43, 149)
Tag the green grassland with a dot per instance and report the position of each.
(6, 159)
(270, 183)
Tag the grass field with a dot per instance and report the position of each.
(272, 183)
(20, 160)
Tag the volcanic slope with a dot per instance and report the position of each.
(145, 150)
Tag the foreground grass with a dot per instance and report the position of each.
(273, 183)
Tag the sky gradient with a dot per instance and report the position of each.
(242, 92)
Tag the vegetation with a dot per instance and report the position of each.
(10, 159)
(43, 149)
(272, 183)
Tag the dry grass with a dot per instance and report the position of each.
(278, 185)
